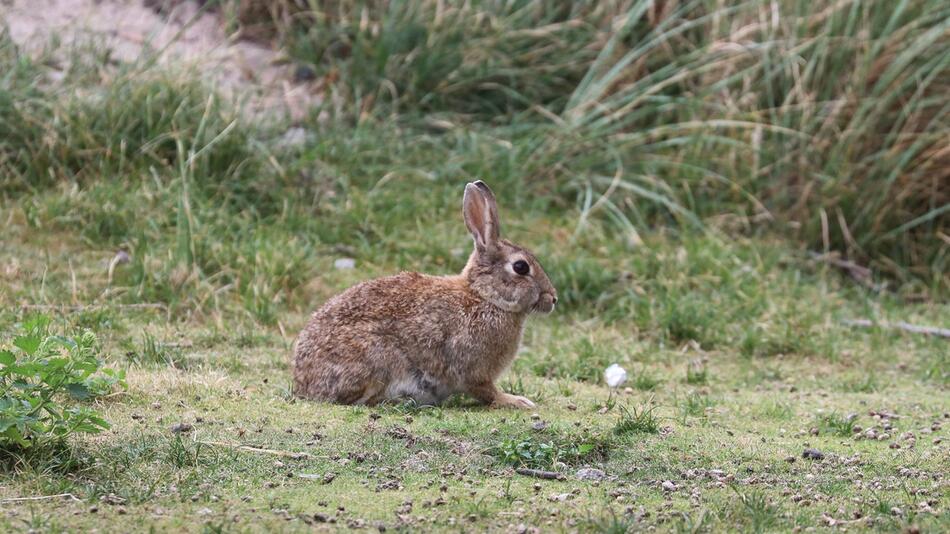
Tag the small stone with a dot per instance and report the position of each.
(112, 499)
(93, 509)
(790, 459)
(293, 138)
(897, 511)
(589, 473)
(813, 431)
(539, 425)
(304, 73)
(344, 264)
(668, 486)
(535, 417)
(894, 445)
(156, 405)
(179, 428)
(813, 454)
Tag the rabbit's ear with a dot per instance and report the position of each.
(481, 214)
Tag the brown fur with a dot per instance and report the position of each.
(426, 337)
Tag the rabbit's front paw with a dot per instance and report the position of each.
(504, 400)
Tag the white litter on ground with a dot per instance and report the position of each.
(343, 264)
(615, 375)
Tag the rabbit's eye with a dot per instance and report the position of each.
(521, 267)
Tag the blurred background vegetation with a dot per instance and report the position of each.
(602, 125)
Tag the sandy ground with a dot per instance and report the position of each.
(237, 67)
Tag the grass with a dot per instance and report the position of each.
(636, 421)
(678, 243)
(841, 425)
(827, 120)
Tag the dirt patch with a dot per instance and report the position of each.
(187, 37)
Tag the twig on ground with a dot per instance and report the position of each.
(538, 473)
(859, 273)
(900, 325)
(41, 498)
(258, 450)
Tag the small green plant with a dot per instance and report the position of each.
(645, 382)
(537, 454)
(835, 423)
(776, 409)
(696, 373)
(866, 384)
(694, 405)
(608, 404)
(151, 351)
(636, 421)
(613, 523)
(545, 452)
(756, 506)
(39, 374)
(690, 524)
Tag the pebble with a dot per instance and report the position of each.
(813, 454)
(668, 486)
(589, 473)
(344, 264)
(292, 138)
(179, 428)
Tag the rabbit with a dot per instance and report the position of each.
(421, 337)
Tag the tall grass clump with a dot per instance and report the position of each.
(864, 85)
(480, 58)
(821, 120)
